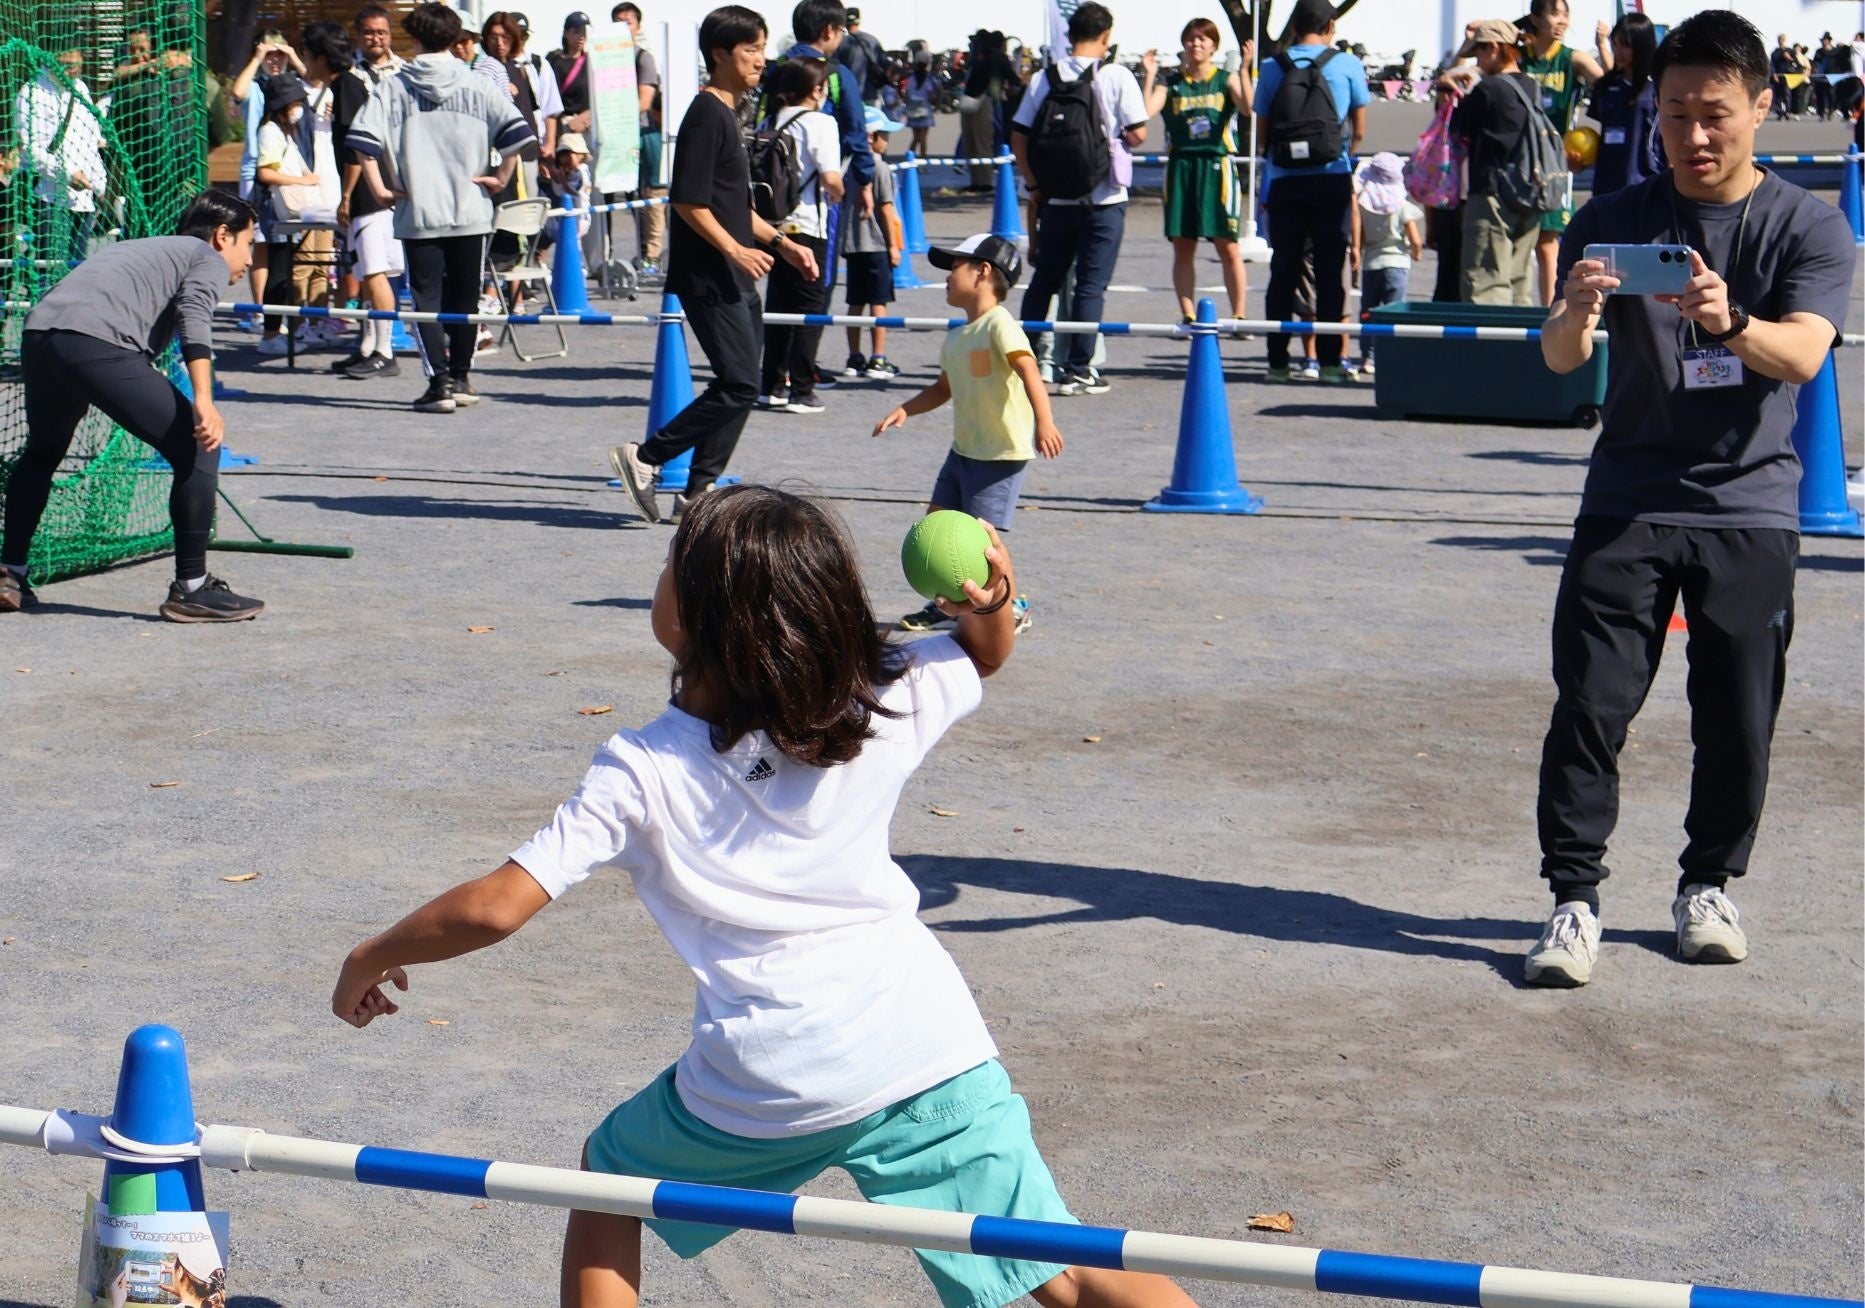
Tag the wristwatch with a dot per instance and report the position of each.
(1738, 323)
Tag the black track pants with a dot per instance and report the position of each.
(443, 276)
(65, 374)
(1619, 587)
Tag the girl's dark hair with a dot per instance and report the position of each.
(777, 624)
(215, 209)
(726, 28)
(433, 27)
(1201, 27)
(1715, 38)
(1636, 30)
(329, 42)
(1544, 9)
(795, 80)
(501, 20)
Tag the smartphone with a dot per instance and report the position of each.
(1645, 269)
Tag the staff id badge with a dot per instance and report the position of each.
(1711, 369)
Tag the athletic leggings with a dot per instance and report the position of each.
(65, 374)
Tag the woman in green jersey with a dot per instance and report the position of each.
(1561, 72)
(1201, 104)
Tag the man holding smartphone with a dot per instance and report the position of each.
(1692, 491)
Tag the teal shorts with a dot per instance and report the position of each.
(962, 1146)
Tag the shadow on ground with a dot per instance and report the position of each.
(1543, 551)
(428, 506)
(1266, 912)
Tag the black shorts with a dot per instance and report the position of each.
(869, 279)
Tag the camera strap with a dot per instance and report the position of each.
(1741, 232)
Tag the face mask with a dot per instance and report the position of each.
(295, 115)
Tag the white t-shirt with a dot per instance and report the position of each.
(819, 151)
(820, 996)
(1122, 106)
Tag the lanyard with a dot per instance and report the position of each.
(1741, 231)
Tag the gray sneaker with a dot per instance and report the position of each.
(1708, 926)
(1569, 943)
(637, 478)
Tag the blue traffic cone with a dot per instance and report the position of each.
(1851, 203)
(1204, 470)
(401, 340)
(567, 288)
(905, 279)
(671, 391)
(1006, 213)
(1818, 441)
(154, 1107)
(912, 211)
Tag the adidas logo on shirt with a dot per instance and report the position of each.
(762, 772)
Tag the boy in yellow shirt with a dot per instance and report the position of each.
(1000, 411)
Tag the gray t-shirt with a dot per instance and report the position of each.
(648, 73)
(1721, 457)
(864, 234)
(138, 293)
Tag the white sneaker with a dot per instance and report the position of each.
(1569, 943)
(1708, 929)
(273, 346)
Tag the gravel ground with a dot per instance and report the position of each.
(1242, 867)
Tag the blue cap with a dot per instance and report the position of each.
(876, 121)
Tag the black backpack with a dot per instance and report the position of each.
(1304, 121)
(1536, 178)
(1068, 149)
(776, 169)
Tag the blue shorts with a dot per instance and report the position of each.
(984, 488)
(869, 279)
(962, 1146)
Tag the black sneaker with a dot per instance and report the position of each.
(437, 398)
(349, 361)
(855, 367)
(213, 601)
(463, 392)
(880, 368)
(930, 618)
(825, 380)
(637, 478)
(802, 402)
(372, 366)
(15, 594)
(778, 399)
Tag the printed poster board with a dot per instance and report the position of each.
(152, 1258)
(614, 108)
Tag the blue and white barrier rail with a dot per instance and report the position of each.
(959, 161)
(616, 207)
(1330, 1271)
(1171, 331)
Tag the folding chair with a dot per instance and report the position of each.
(524, 219)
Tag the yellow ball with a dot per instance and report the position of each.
(1582, 147)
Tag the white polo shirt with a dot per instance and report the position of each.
(819, 995)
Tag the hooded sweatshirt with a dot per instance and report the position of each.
(432, 128)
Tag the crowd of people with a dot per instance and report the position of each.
(831, 1029)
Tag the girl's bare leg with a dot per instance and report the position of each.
(1236, 278)
(1547, 256)
(1098, 1287)
(1184, 279)
(601, 1260)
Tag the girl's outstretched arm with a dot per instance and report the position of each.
(471, 916)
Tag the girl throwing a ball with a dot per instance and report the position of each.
(830, 1029)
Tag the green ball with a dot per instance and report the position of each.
(944, 550)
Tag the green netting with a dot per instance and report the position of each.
(102, 138)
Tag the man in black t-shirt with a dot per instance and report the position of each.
(714, 262)
(1692, 492)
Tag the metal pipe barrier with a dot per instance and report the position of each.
(1328, 1271)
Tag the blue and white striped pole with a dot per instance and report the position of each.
(1419, 1280)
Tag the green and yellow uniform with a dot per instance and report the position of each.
(1201, 184)
(1560, 96)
